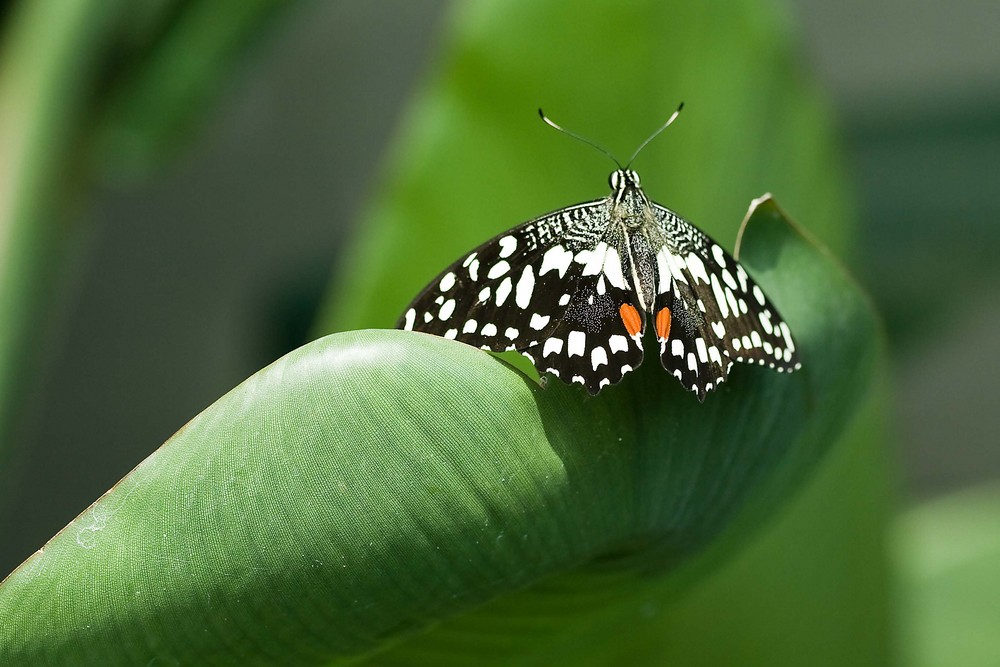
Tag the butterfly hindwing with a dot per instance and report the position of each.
(598, 338)
(688, 351)
(720, 314)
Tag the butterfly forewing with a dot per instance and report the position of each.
(509, 293)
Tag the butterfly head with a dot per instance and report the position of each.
(623, 179)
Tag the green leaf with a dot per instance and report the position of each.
(180, 56)
(948, 554)
(372, 484)
(128, 77)
(46, 55)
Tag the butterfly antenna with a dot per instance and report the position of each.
(550, 123)
(672, 118)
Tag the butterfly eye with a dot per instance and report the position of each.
(614, 180)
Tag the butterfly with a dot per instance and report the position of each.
(574, 290)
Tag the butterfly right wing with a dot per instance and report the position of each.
(719, 313)
(510, 292)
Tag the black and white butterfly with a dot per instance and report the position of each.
(572, 291)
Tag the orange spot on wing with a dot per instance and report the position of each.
(663, 324)
(630, 318)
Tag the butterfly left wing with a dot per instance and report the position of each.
(508, 293)
(717, 313)
(553, 289)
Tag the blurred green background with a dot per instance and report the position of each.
(187, 265)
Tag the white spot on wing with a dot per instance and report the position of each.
(677, 348)
(765, 321)
(525, 286)
(511, 333)
(538, 322)
(484, 295)
(552, 346)
(411, 316)
(618, 343)
(503, 291)
(720, 297)
(564, 299)
(741, 275)
(598, 357)
(507, 246)
(787, 335)
(758, 294)
(713, 354)
(450, 334)
(592, 260)
(556, 258)
(677, 267)
(576, 343)
(447, 282)
(731, 300)
(446, 310)
(697, 268)
(498, 270)
(489, 329)
(474, 270)
(470, 326)
(613, 268)
(718, 254)
(663, 268)
(699, 345)
(719, 329)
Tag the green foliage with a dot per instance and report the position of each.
(948, 554)
(91, 86)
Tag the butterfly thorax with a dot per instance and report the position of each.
(631, 223)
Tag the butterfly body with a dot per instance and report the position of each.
(573, 292)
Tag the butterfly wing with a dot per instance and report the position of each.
(550, 288)
(717, 313)
(598, 337)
